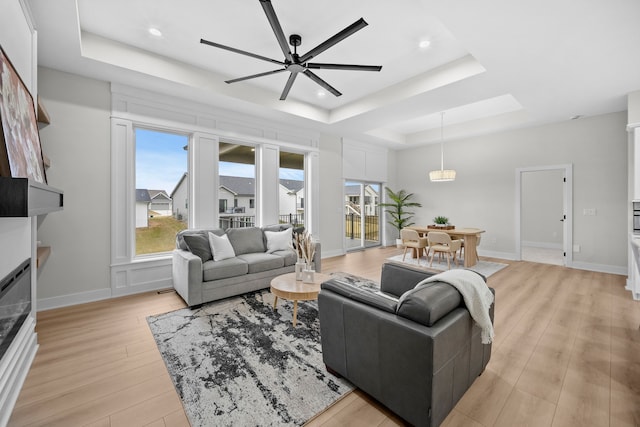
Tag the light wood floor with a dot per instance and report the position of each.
(567, 353)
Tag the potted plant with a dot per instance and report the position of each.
(397, 209)
(441, 221)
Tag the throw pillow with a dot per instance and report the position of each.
(278, 240)
(221, 247)
(199, 245)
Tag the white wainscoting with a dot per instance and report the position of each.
(206, 125)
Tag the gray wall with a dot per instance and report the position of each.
(483, 194)
(78, 143)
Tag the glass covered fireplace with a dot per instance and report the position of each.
(15, 303)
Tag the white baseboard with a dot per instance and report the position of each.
(98, 295)
(329, 254)
(544, 245)
(495, 254)
(629, 287)
(600, 268)
(72, 299)
(155, 285)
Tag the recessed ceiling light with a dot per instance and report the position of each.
(576, 117)
(321, 94)
(424, 44)
(155, 32)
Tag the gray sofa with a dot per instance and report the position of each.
(198, 279)
(416, 357)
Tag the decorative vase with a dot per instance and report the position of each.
(300, 267)
(308, 275)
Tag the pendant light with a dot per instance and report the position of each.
(443, 174)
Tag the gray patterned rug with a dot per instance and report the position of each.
(238, 362)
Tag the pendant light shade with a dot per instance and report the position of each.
(443, 174)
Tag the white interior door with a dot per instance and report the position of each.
(544, 214)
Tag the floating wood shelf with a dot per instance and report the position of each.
(43, 253)
(43, 116)
(22, 197)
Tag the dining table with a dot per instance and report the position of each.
(469, 236)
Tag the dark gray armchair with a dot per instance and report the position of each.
(417, 357)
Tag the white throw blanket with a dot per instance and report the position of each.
(476, 295)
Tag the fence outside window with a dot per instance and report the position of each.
(353, 227)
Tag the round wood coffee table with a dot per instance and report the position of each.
(287, 287)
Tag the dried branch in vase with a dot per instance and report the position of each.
(305, 247)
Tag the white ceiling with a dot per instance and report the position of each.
(491, 65)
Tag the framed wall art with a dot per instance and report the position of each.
(20, 149)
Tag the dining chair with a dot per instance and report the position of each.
(411, 239)
(442, 243)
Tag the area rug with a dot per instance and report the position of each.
(238, 362)
(486, 268)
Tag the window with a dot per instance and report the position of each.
(252, 203)
(292, 188)
(161, 167)
(237, 169)
(222, 205)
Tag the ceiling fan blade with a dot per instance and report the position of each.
(241, 52)
(316, 65)
(253, 76)
(277, 29)
(356, 26)
(287, 87)
(322, 83)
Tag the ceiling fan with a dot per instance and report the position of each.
(295, 63)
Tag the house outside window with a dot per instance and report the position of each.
(292, 188)
(237, 184)
(160, 164)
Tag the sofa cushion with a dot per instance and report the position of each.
(231, 267)
(246, 240)
(430, 303)
(180, 243)
(289, 255)
(278, 240)
(262, 262)
(199, 245)
(221, 247)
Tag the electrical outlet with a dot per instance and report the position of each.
(589, 212)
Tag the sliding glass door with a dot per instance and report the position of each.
(362, 214)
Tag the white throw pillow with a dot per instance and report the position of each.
(278, 240)
(221, 247)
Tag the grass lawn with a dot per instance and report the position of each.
(160, 236)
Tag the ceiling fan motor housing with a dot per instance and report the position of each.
(295, 40)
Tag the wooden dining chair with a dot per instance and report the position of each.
(441, 243)
(411, 239)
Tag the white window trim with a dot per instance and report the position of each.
(138, 108)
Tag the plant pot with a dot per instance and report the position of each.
(399, 244)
